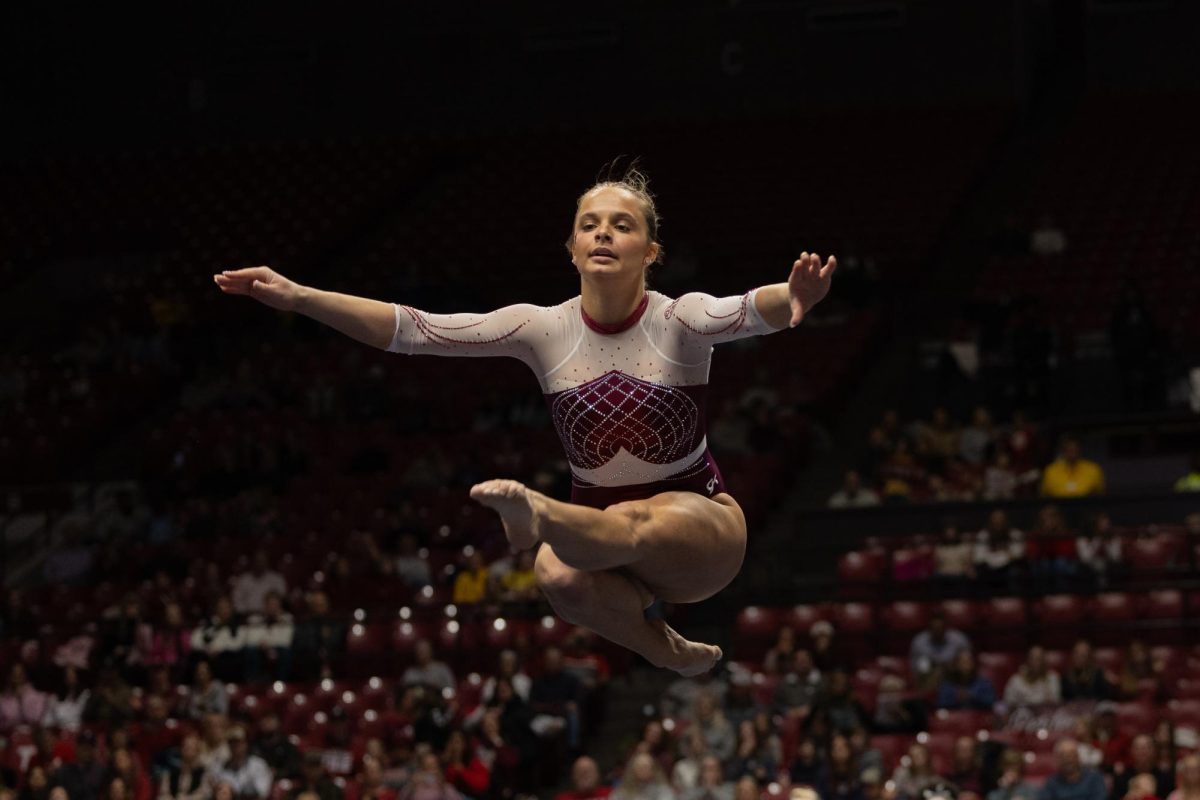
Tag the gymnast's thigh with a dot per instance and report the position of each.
(692, 546)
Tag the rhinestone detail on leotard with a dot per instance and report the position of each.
(655, 423)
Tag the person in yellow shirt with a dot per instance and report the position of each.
(519, 585)
(1071, 475)
(471, 584)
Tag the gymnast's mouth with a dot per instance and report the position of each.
(603, 252)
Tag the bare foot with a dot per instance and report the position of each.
(517, 506)
(688, 658)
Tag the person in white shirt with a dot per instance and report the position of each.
(250, 589)
(269, 641)
(853, 494)
(247, 774)
(1035, 684)
(998, 547)
(427, 671)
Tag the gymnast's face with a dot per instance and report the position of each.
(610, 238)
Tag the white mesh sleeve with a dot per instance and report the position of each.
(709, 320)
(508, 331)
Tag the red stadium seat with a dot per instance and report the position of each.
(1039, 766)
(999, 666)
(1135, 718)
(755, 630)
(802, 617)
(853, 618)
(961, 614)
(1108, 658)
(1065, 610)
(860, 573)
(1184, 712)
(892, 747)
(1149, 555)
(550, 630)
(1113, 607)
(1004, 624)
(905, 617)
(1163, 604)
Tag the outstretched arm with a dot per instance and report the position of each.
(783, 305)
(369, 321)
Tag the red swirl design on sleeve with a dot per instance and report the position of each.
(430, 330)
(739, 317)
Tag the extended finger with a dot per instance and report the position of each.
(829, 268)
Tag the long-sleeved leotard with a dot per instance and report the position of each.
(627, 400)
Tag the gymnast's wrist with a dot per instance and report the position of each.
(304, 298)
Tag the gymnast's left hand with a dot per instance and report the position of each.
(809, 283)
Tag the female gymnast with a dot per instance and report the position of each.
(624, 370)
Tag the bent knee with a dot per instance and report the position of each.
(564, 586)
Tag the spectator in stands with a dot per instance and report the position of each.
(896, 711)
(1011, 784)
(411, 567)
(581, 659)
(838, 705)
(250, 588)
(427, 671)
(1190, 482)
(839, 779)
(853, 494)
(1165, 747)
(156, 735)
(247, 774)
(221, 639)
(963, 687)
(679, 700)
(1084, 679)
(463, 769)
(275, 747)
(520, 585)
(1187, 776)
(685, 772)
(939, 440)
(186, 779)
(1099, 550)
(471, 583)
(1000, 480)
(966, 768)
(1141, 787)
(797, 691)
(753, 755)
(84, 777)
(1071, 475)
(214, 744)
(319, 638)
(953, 559)
(428, 781)
(585, 781)
(207, 694)
(508, 668)
(1105, 737)
(1047, 238)
(865, 756)
(1052, 550)
(806, 766)
(169, 642)
(746, 789)
(369, 784)
(978, 439)
(824, 656)
(741, 701)
(555, 696)
(779, 658)
(37, 784)
(718, 733)
(934, 649)
(915, 773)
(269, 636)
(1141, 672)
(902, 474)
(643, 779)
(123, 765)
(710, 785)
(999, 550)
(655, 741)
(1072, 780)
(1142, 760)
(112, 698)
(123, 631)
(314, 780)
(20, 702)
(64, 709)
(1034, 684)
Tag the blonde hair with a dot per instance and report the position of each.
(637, 183)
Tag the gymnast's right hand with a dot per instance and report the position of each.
(263, 284)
